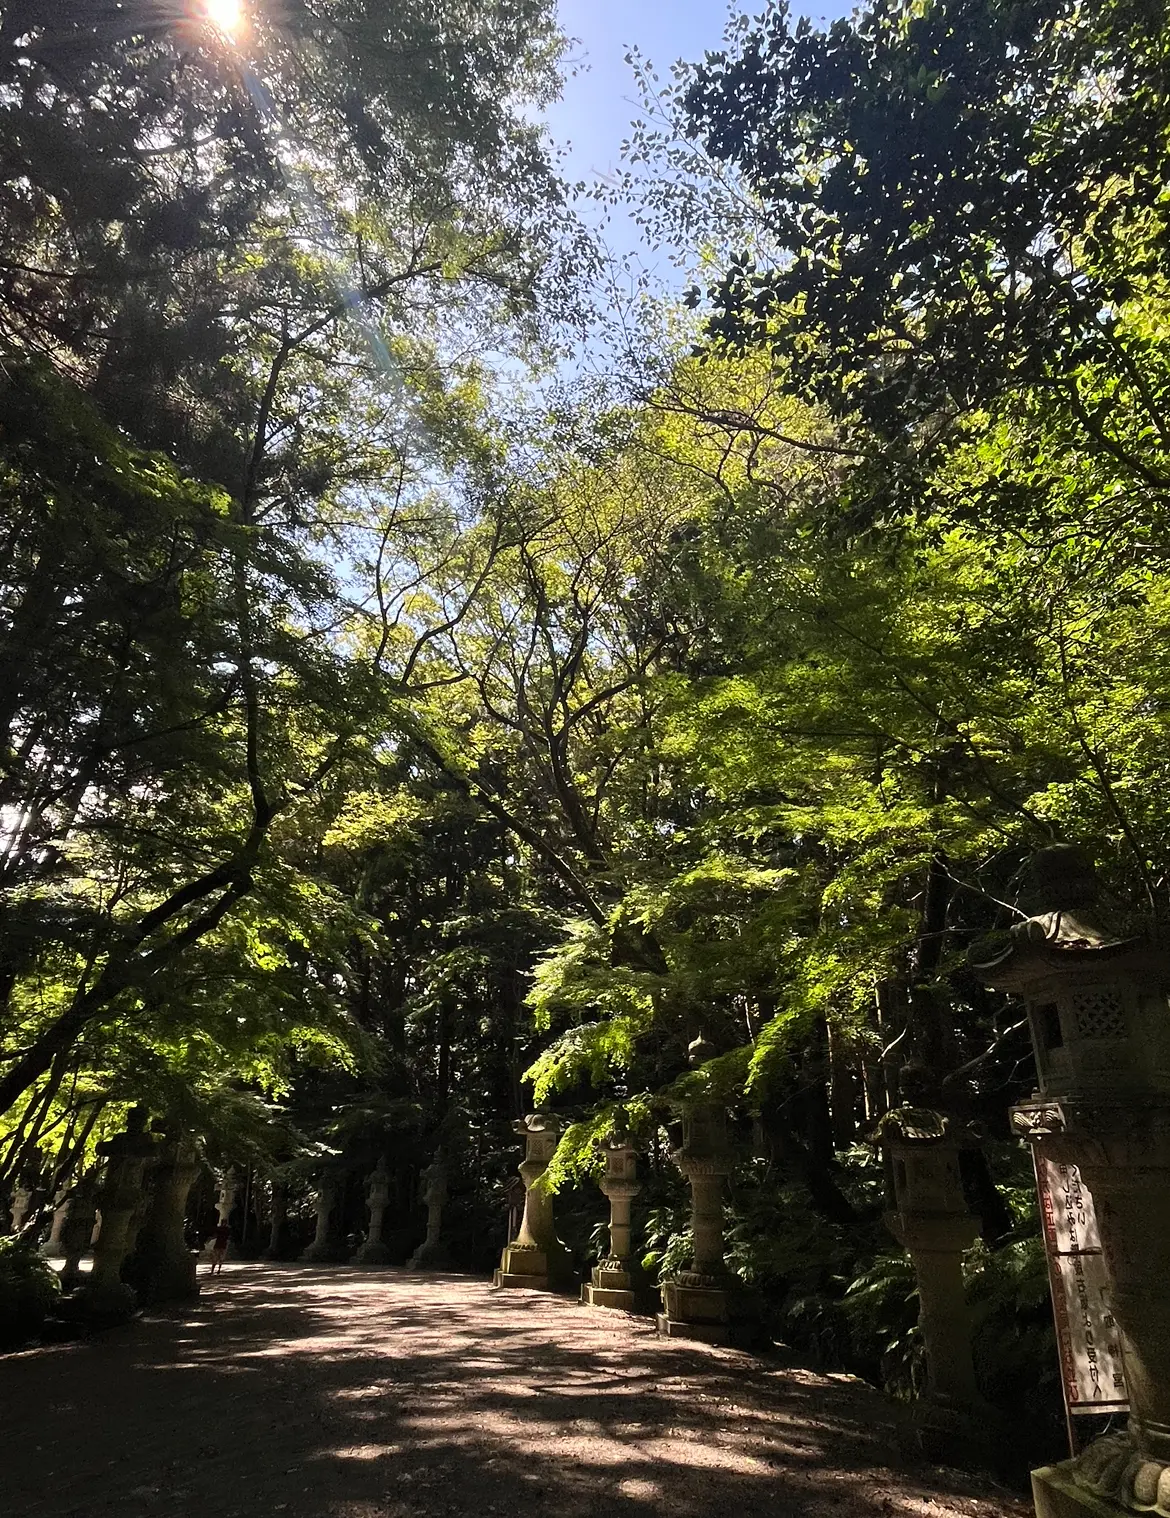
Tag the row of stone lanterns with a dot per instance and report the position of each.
(132, 1216)
(704, 1302)
(329, 1247)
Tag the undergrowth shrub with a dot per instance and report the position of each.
(28, 1289)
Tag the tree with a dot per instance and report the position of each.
(965, 210)
(184, 669)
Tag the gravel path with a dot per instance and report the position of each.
(331, 1393)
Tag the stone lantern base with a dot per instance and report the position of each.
(611, 1285)
(430, 1257)
(970, 1434)
(111, 1303)
(158, 1274)
(1107, 1479)
(323, 1252)
(712, 1310)
(537, 1269)
(1056, 1495)
(372, 1252)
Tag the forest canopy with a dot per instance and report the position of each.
(404, 726)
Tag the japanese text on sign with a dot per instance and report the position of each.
(1091, 1363)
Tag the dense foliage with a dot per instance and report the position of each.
(389, 745)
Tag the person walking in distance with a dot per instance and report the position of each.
(219, 1247)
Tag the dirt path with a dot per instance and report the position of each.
(332, 1393)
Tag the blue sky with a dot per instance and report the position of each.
(594, 115)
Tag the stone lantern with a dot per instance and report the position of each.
(227, 1194)
(706, 1302)
(932, 1223)
(81, 1209)
(120, 1198)
(613, 1282)
(431, 1253)
(326, 1245)
(1096, 996)
(51, 1248)
(22, 1206)
(536, 1258)
(161, 1267)
(278, 1222)
(374, 1250)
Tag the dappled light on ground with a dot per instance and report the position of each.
(332, 1393)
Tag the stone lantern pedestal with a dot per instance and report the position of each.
(932, 1223)
(327, 1247)
(432, 1254)
(227, 1194)
(1096, 993)
(77, 1230)
(374, 1250)
(707, 1302)
(161, 1267)
(614, 1281)
(51, 1248)
(278, 1223)
(120, 1198)
(22, 1202)
(536, 1258)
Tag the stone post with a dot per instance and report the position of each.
(933, 1225)
(1096, 993)
(706, 1302)
(277, 1238)
(127, 1155)
(326, 1247)
(227, 1194)
(51, 1248)
(431, 1253)
(22, 1200)
(161, 1267)
(536, 1258)
(613, 1282)
(374, 1250)
(77, 1231)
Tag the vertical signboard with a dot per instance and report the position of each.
(1091, 1366)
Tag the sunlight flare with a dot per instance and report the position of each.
(227, 16)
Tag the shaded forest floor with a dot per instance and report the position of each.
(322, 1392)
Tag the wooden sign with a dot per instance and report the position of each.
(1091, 1365)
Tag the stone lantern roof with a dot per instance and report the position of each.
(1068, 929)
(1095, 988)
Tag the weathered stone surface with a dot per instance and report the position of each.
(536, 1258)
(707, 1302)
(121, 1199)
(21, 1206)
(51, 1248)
(77, 1230)
(374, 1251)
(277, 1247)
(935, 1227)
(160, 1267)
(1096, 991)
(327, 1246)
(615, 1281)
(432, 1254)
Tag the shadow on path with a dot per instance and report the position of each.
(326, 1392)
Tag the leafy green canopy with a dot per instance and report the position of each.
(961, 187)
(152, 740)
